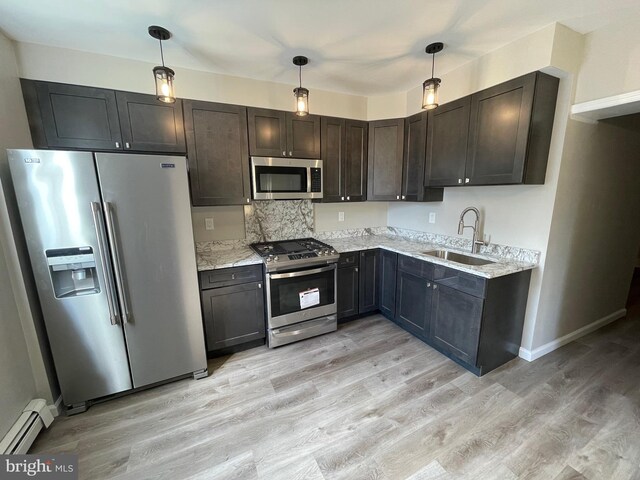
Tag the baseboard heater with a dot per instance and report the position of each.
(22, 434)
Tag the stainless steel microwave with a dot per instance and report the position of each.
(285, 178)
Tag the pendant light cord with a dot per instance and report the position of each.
(433, 62)
(300, 74)
(161, 52)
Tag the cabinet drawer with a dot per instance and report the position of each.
(464, 282)
(416, 267)
(230, 276)
(350, 259)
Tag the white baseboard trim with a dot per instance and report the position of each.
(56, 408)
(531, 355)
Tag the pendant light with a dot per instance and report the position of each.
(431, 85)
(163, 75)
(301, 94)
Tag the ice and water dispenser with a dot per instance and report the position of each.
(73, 271)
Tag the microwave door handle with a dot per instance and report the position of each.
(275, 276)
(308, 180)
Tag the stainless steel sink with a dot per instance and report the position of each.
(458, 257)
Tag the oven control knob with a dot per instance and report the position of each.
(269, 259)
(275, 259)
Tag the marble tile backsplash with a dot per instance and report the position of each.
(272, 220)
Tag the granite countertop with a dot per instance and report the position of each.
(215, 255)
(412, 248)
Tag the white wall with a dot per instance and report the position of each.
(595, 231)
(611, 61)
(356, 215)
(22, 371)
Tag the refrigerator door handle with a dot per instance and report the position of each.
(104, 258)
(113, 242)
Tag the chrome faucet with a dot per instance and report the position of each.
(475, 243)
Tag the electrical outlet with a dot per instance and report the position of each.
(432, 217)
(208, 223)
(341, 216)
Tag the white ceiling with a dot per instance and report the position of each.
(365, 47)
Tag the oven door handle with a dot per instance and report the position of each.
(275, 276)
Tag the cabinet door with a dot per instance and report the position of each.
(385, 159)
(499, 132)
(233, 315)
(387, 278)
(303, 136)
(455, 322)
(149, 125)
(368, 296)
(447, 135)
(415, 140)
(413, 303)
(333, 159)
(356, 160)
(72, 116)
(267, 132)
(218, 152)
(348, 286)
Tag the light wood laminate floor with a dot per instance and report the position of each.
(370, 401)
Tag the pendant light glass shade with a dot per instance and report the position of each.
(164, 84)
(430, 93)
(301, 94)
(163, 76)
(302, 101)
(431, 85)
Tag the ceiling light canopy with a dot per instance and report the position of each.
(165, 91)
(431, 85)
(301, 94)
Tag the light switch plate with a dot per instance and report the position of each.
(432, 217)
(341, 216)
(208, 223)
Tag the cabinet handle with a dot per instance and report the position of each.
(466, 180)
(435, 287)
(259, 285)
(248, 200)
(127, 145)
(356, 269)
(428, 284)
(117, 144)
(459, 180)
(397, 197)
(342, 198)
(349, 198)
(362, 254)
(233, 276)
(291, 154)
(403, 197)
(284, 154)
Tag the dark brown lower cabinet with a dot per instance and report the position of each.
(387, 281)
(358, 289)
(413, 303)
(233, 311)
(455, 322)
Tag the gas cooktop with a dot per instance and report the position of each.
(295, 253)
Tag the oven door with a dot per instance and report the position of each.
(300, 295)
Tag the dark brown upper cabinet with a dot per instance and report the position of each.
(415, 143)
(386, 138)
(498, 136)
(344, 153)
(274, 133)
(149, 125)
(218, 152)
(72, 116)
(447, 134)
(510, 131)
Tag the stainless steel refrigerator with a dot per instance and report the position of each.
(111, 246)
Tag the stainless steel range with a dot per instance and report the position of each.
(301, 289)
